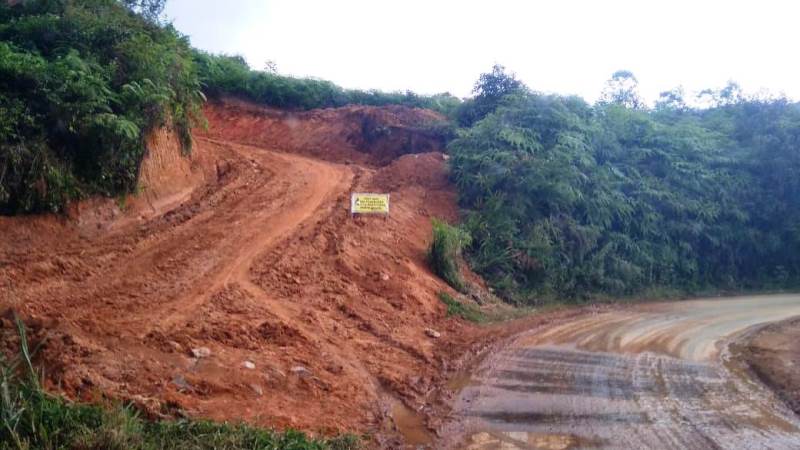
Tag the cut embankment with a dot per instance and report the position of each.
(773, 355)
(366, 135)
(252, 294)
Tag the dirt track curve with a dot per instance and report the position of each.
(303, 184)
(312, 319)
(655, 377)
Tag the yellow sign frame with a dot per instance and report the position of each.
(369, 203)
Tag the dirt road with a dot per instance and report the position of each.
(306, 316)
(654, 376)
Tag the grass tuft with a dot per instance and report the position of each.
(456, 308)
(445, 252)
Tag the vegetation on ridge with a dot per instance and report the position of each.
(230, 75)
(567, 199)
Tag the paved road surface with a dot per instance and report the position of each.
(657, 376)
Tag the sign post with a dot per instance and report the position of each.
(366, 203)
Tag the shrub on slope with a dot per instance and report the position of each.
(445, 252)
(81, 84)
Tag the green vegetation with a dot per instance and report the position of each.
(567, 199)
(489, 92)
(32, 419)
(224, 74)
(81, 84)
(456, 308)
(445, 252)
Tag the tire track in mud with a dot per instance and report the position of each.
(655, 376)
(262, 264)
(314, 182)
(145, 287)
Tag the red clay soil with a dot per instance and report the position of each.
(355, 134)
(772, 353)
(248, 249)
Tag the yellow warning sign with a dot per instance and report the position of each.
(369, 203)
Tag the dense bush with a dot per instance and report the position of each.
(222, 74)
(81, 84)
(563, 198)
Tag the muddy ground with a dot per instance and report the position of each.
(772, 353)
(237, 286)
(656, 376)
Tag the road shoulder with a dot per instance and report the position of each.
(772, 353)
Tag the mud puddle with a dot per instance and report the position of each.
(411, 425)
(513, 440)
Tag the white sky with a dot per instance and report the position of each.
(564, 46)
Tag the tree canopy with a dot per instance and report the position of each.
(489, 90)
(563, 198)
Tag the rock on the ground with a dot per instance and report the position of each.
(257, 389)
(249, 365)
(180, 382)
(432, 333)
(201, 352)
(300, 370)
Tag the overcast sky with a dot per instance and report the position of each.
(563, 46)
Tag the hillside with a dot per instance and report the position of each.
(258, 261)
(179, 256)
(84, 83)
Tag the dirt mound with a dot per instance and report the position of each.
(773, 354)
(426, 170)
(353, 134)
(257, 296)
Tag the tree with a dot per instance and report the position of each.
(731, 94)
(623, 89)
(492, 86)
(270, 66)
(489, 91)
(672, 100)
(149, 9)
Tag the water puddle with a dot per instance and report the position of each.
(411, 425)
(514, 440)
(459, 381)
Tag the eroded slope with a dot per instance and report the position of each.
(261, 263)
